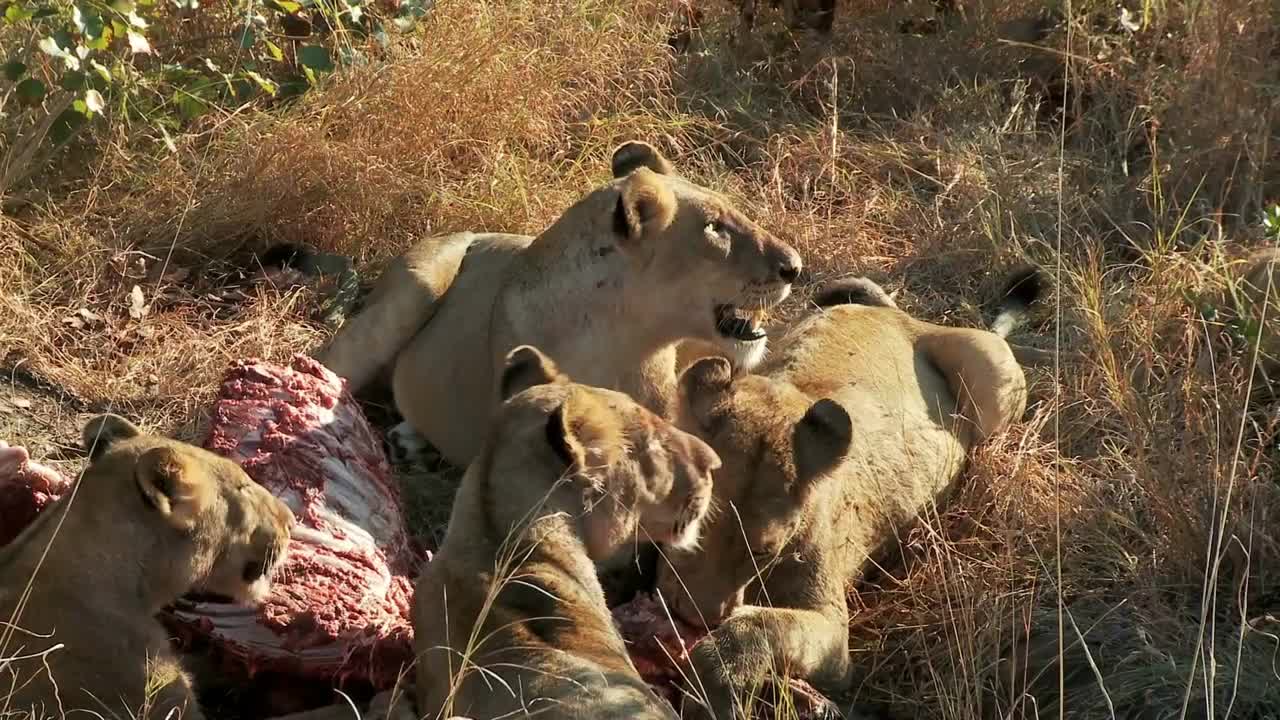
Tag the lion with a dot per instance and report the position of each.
(608, 290)
(509, 617)
(149, 520)
(859, 420)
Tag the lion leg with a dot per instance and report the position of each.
(401, 303)
(983, 374)
(760, 644)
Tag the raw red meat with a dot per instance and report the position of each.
(339, 607)
(657, 641)
(26, 488)
(659, 644)
(338, 613)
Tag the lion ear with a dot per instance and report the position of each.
(562, 440)
(703, 382)
(526, 367)
(635, 154)
(645, 206)
(820, 440)
(103, 431)
(712, 373)
(169, 485)
(584, 434)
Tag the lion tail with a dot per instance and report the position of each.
(1022, 290)
(404, 299)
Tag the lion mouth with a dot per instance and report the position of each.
(738, 324)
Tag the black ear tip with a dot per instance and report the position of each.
(525, 367)
(103, 431)
(635, 154)
(1024, 286)
(830, 417)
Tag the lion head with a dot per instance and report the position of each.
(676, 259)
(775, 445)
(633, 474)
(224, 534)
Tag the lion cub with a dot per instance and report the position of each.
(149, 520)
(861, 419)
(509, 617)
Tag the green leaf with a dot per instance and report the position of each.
(245, 37)
(315, 57)
(101, 69)
(293, 86)
(274, 50)
(94, 101)
(14, 70)
(103, 40)
(89, 23)
(267, 86)
(285, 6)
(16, 13)
(80, 106)
(189, 105)
(31, 92)
(118, 28)
(138, 44)
(65, 126)
(72, 80)
(124, 7)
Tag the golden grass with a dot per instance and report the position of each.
(931, 162)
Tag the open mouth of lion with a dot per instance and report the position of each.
(738, 324)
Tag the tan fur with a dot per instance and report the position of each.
(509, 615)
(151, 519)
(635, 266)
(860, 419)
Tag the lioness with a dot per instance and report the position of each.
(635, 266)
(509, 617)
(149, 520)
(859, 419)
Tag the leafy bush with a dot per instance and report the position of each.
(168, 63)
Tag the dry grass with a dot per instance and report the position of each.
(1140, 491)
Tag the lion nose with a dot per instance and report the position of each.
(789, 263)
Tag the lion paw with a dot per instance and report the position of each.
(407, 447)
